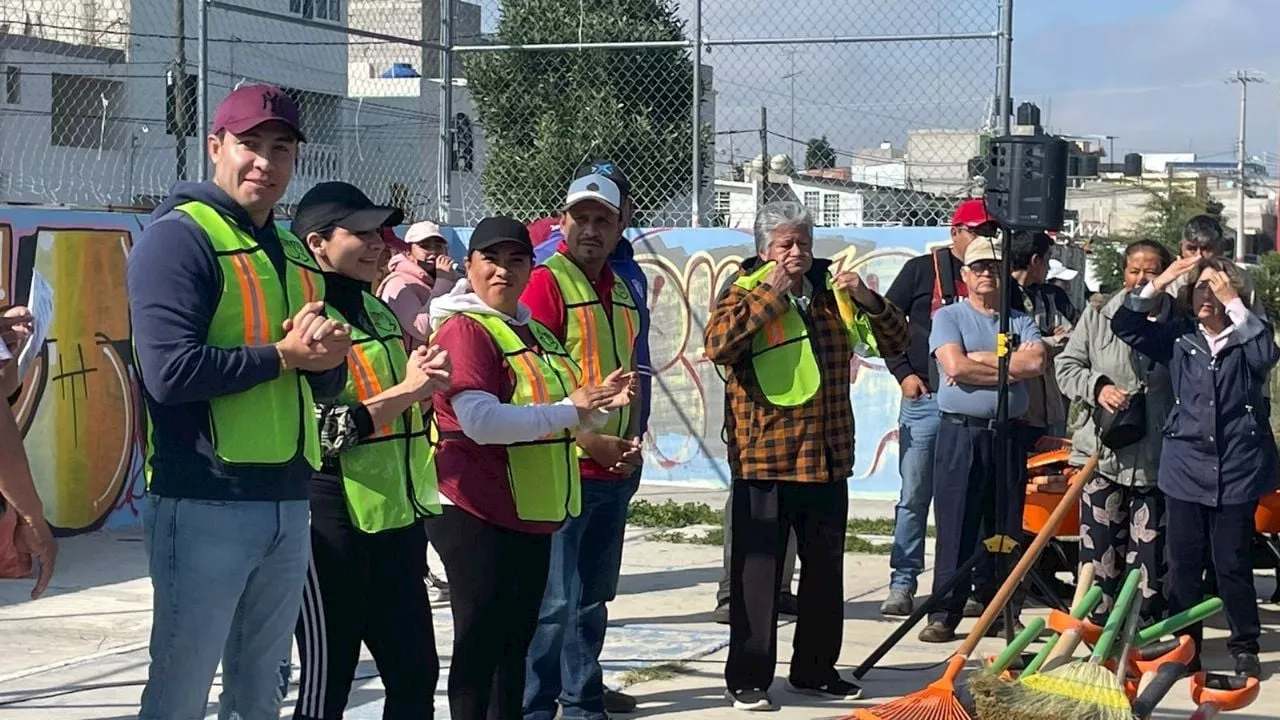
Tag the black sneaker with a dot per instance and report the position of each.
(1247, 665)
(937, 632)
(753, 700)
(837, 689)
(618, 702)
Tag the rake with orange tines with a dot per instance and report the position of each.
(938, 701)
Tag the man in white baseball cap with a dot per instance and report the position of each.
(1061, 275)
(595, 313)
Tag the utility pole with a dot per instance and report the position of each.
(1004, 67)
(1244, 77)
(179, 75)
(764, 153)
(791, 75)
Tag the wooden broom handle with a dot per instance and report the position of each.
(1029, 557)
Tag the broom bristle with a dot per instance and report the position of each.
(928, 704)
(1081, 691)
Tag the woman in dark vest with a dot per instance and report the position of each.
(377, 482)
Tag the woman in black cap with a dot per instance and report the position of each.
(506, 463)
(377, 482)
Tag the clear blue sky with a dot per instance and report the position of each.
(1151, 71)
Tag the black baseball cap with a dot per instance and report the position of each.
(332, 205)
(608, 169)
(497, 230)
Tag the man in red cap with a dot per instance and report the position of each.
(923, 286)
(232, 347)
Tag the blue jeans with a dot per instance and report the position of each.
(917, 431)
(228, 582)
(586, 557)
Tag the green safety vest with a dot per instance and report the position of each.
(782, 353)
(389, 478)
(597, 342)
(543, 473)
(271, 423)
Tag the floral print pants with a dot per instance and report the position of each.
(1122, 528)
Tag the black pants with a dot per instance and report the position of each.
(788, 564)
(496, 580)
(1227, 533)
(967, 501)
(363, 587)
(1121, 528)
(764, 513)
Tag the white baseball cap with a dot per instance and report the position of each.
(423, 231)
(982, 248)
(1058, 271)
(594, 187)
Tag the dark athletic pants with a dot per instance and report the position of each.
(764, 514)
(363, 587)
(966, 501)
(496, 581)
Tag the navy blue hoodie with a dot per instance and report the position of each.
(174, 285)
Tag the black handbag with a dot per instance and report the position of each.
(1126, 426)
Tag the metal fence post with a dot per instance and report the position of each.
(696, 117)
(1004, 70)
(445, 162)
(202, 91)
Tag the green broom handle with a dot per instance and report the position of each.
(1015, 648)
(1119, 615)
(1079, 611)
(1173, 624)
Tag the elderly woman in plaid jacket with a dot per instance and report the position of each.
(784, 333)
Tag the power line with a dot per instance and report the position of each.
(226, 40)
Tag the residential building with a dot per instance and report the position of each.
(96, 121)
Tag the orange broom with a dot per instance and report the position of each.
(938, 701)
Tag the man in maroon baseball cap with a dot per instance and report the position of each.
(249, 106)
(233, 346)
(922, 287)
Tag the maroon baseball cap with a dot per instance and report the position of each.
(248, 106)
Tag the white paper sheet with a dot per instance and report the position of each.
(41, 305)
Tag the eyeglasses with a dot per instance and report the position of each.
(985, 267)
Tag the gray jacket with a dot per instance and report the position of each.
(1095, 356)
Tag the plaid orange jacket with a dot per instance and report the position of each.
(809, 443)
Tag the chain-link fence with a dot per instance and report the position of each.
(871, 113)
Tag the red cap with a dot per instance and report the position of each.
(540, 230)
(972, 213)
(248, 106)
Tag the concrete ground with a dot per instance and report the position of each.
(80, 652)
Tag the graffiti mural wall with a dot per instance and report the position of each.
(79, 405)
(80, 409)
(687, 269)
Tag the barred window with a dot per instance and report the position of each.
(13, 85)
(831, 210)
(811, 202)
(84, 111)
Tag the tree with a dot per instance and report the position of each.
(545, 113)
(818, 154)
(1167, 211)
